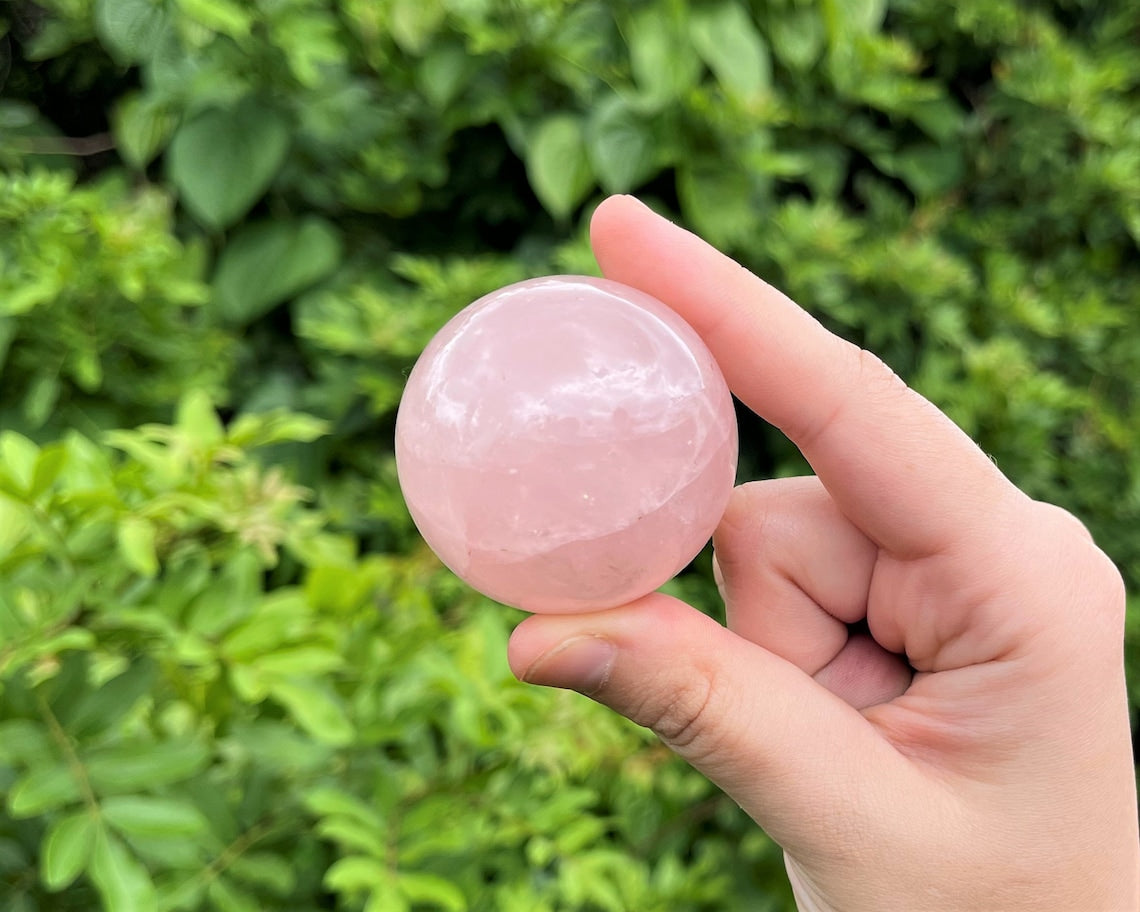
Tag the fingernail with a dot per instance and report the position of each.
(582, 663)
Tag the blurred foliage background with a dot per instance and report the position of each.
(231, 678)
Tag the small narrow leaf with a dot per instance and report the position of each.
(131, 767)
(43, 789)
(66, 849)
(144, 816)
(122, 881)
(316, 708)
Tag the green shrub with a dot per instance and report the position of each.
(231, 677)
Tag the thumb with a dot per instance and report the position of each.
(788, 751)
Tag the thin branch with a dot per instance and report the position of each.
(79, 146)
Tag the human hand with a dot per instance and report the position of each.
(972, 751)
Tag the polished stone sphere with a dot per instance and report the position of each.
(566, 444)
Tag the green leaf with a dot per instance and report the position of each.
(269, 262)
(23, 741)
(100, 709)
(130, 29)
(265, 869)
(432, 891)
(661, 54)
(144, 816)
(136, 540)
(142, 126)
(622, 146)
(123, 883)
(557, 164)
(43, 789)
(279, 426)
(223, 161)
(50, 464)
(42, 396)
(18, 458)
(413, 21)
(198, 420)
(225, 897)
(442, 72)
(721, 202)
(131, 767)
(299, 660)
(316, 708)
(355, 874)
(798, 37)
(228, 17)
(730, 45)
(65, 849)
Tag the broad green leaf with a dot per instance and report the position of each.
(43, 789)
(232, 599)
(269, 262)
(199, 421)
(136, 540)
(129, 29)
(798, 36)
(730, 45)
(328, 802)
(100, 709)
(355, 874)
(122, 882)
(15, 523)
(65, 849)
(18, 458)
(316, 708)
(413, 22)
(265, 869)
(22, 741)
(431, 891)
(264, 428)
(353, 834)
(223, 161)
(132, 767)
(144, 816)
(50, 464)
(299, 660)
(142, 127)
(722, 202)
(229, 17)
(664, 63)
(557, 164)
(225, 897)
(622, 146)
(441, 73)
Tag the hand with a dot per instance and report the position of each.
(971, 750)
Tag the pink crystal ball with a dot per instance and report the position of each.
(566, 444)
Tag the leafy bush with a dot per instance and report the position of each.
(231, 677)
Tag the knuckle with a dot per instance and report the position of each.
(1061, 521)
(1100, 582)
(685, 719)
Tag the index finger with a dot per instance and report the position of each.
(898, 467)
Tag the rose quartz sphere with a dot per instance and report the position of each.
(566, 444)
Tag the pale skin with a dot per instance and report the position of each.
(973, 752)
